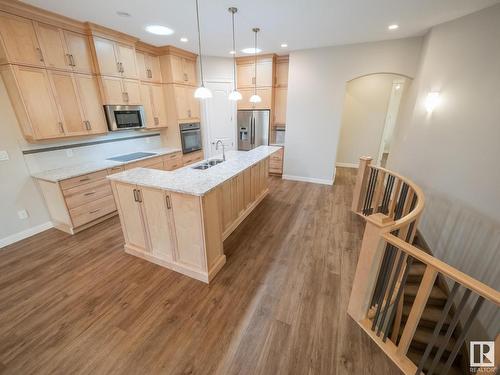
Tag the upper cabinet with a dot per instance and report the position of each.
(115, 59)
(120, 91)
(149, 67)
(178, 69)
(281, 77)
(65, 50)
(153, 100)
(19, 42)
(246, 72)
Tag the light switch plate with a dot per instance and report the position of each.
(4, 155)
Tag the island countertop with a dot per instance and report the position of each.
(191, 181)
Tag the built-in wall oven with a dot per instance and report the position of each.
(123, 117)
(190, 137)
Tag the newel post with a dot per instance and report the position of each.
(370, 258)
(361, 181)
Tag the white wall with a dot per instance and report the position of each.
(316, 88)
(366, 106)
(453, 153)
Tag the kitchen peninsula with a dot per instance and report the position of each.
(179, 219)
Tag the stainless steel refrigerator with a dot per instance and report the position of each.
(253, 128)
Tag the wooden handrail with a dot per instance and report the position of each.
(444, 268)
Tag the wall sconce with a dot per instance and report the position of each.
(432, 101)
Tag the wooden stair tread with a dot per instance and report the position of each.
(436, 292)
(416, 356)
(430, 314)
(424, 336)
(417, 269)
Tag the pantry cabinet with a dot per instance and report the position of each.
(154, 104)
(178, 69)
(149, 67)
(119, 91)
(19, 42)
(115, 59)
(280, 96)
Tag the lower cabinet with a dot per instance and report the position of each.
(192, 157)
(276, 162)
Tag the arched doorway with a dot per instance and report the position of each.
(370, 111)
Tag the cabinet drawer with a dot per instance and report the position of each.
(145, 163)
(115, 170)
(91, 211)
(84, 179)
(171, 164)
(87, 193)
(175, 155)
(158, 165)
(192, 157)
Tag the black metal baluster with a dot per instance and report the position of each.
(409, 262)
(438, 327)
(461, 338)
(381, 272)
(385, 280)
(401, 201)
(449, 332)
(394, 280)
(372, 182)
(387, 194)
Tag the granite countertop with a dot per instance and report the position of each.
(59, 174)
(191, 181)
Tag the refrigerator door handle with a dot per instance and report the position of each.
(253, 132)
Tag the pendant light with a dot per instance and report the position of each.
(234, 95)
(201, 92)
(255, 98)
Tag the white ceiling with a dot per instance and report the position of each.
(300, 23)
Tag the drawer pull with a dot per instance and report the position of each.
(94, 211)
(169, 205)
(89, 193)
(85, 179)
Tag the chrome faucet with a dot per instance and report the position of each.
(223, 149)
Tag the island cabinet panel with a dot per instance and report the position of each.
(131, 215)
(189, 231)
(157, 210)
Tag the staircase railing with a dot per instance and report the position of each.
(392, 206)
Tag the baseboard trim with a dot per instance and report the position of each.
(347, 165)
(308, 179)
(9, 240)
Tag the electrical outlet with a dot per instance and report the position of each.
(22, 214)
(69, 153)
(4, 155)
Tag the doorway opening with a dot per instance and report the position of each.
(371, 108)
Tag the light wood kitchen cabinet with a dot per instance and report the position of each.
(91, 103)
(64, 49)
(280, 96)
(172, 161)
(264, 93)
(149, 67)
(119, 91)
(276, 162)
(246, 74)
(132, 222)
(115, 59)
(281, 79)
(19, 42)
(31, 95)
(78, 99)
(182, 106)
(192, 157)
(178, 69)
(78, 202)
(154, 104)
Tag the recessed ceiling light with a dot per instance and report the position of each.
(251, 50)
(159, 30)
(184, 40)
(284, 45)
(393, 27)
(232, 52)
(123, 14)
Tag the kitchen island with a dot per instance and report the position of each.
(179, 219)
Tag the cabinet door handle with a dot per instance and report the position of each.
(61, 127)
(118, 67)
(135, 196)
(157, 121)
(84, 179)
(89, 193)
(185, 77)
(169, 204)
(68, 56)
(94, 211)
(40, 54)
(125, 96)
(89, 125)
(139, 196)
(72, 59)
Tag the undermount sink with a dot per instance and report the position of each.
(208, 164)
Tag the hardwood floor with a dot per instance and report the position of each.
(80, 305)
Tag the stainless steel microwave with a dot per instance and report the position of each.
(123, 117)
